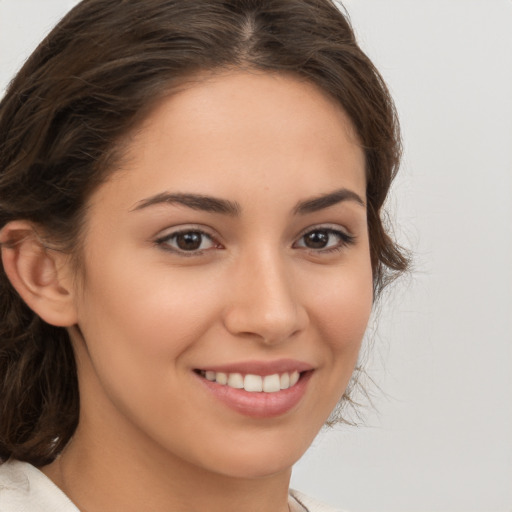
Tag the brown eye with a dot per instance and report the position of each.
(190, 241)
(324, 240)
(187, 241)
(317, 239)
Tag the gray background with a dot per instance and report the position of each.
(440, 436)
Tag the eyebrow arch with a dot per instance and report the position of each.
(326, 200)
(194, 201)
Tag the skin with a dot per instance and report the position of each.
(147, 315)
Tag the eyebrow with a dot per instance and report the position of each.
(194, 201)
(326, 200)
(233, 209)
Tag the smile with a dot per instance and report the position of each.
(258, 389)
(254, 383)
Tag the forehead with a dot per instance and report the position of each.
(244, 131)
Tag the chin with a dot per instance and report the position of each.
(261, 457)
(256, 468)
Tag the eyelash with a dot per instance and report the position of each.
(345, 240)
(163, 242)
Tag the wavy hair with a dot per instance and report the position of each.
(63, 121)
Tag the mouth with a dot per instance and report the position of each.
(253, 383)
(257, 391)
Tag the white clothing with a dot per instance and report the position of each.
(23, 488)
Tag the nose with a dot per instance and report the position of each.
(264, 300)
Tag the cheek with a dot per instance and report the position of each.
(148, 312)
(138, 325)
(342, 308)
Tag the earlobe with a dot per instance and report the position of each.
(39, 274)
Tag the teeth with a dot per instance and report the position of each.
(235, 380)
(221, 378)
(254, 383)
(272, 383)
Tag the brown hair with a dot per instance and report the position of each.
(88, 83)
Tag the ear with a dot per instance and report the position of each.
(42, 276)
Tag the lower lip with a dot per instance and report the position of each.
(259, 405)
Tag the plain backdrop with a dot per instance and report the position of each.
(439, 437)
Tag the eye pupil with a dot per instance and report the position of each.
(316, 239)
(190, 241)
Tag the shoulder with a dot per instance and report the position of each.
(23, 488)
(310, 504)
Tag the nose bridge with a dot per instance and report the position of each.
(265, 302)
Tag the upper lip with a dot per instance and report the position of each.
(261, 367)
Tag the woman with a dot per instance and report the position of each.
(191, 247)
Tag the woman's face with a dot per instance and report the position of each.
(232, 246)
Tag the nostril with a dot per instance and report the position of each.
(263, 303)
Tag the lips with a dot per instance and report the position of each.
(258, 389)
(261, 367)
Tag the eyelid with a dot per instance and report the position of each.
(327, 227)
(347, 238)
(164, 235)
